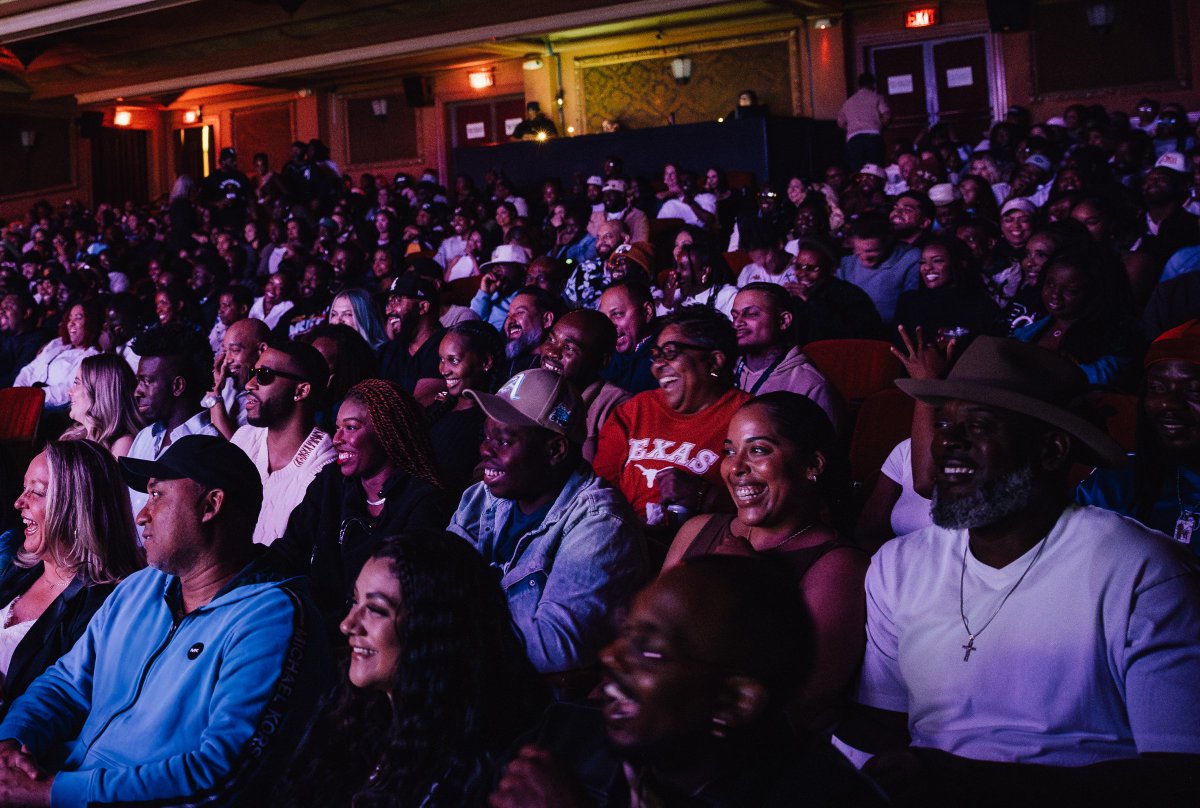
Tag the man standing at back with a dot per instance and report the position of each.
(195, 679)
(283, 392)
(863, 116)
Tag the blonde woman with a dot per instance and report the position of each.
(102, 406)
(75, 543)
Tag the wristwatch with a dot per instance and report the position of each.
(209, 401)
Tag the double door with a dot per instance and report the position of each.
(938, 81)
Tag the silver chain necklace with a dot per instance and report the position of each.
(962, 612)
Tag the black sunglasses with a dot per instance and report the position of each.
(669, 350)
(265, 375)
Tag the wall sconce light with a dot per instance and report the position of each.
(28, 139)
(1100, 17)
(192, 115)
(379, 108)
(533, 61)
(122, 117)
(482, 79)
(681, 69)
(824, 23)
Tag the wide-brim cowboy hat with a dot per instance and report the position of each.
(1022, 378)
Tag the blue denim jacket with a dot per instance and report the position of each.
(587, 558)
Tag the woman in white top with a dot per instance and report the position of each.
(76, 543)
(277, 299)
(102, 405)
(54, 367)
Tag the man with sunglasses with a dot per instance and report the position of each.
(283, 391)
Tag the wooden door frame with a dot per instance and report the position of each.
(993, 50)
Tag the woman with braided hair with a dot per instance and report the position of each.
(385, 481)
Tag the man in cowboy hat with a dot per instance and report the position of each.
(1020, 628)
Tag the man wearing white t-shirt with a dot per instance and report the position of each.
(1020, 629)
(281, 438)
(697, 209)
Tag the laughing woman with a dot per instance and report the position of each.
(781, 466)
(385, 481)
(78, 543)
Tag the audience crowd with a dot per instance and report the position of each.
(382, 492)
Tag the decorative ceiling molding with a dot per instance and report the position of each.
(67, 16)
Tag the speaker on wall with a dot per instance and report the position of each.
(90, 123)
(418, 91)
(1006, 16)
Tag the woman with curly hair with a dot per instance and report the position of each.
(385, 481)
(436, 689)
(102, 405)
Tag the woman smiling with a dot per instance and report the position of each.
(781, 465)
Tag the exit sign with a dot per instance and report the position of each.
(921, 17)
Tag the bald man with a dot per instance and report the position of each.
(240, 349)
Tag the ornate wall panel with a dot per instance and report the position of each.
(638, 88)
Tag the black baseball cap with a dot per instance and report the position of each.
(209, 460)
(410, 284)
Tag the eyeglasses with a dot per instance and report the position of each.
(668, 351)
(265, 375)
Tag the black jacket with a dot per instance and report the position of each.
(330, 535)
(52, 634)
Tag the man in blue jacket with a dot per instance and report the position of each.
(195, 679)
(567, 545)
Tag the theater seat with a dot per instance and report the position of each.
(20, 413)
(884, 419)
(856, 367)
(460, 292)
(737, 261)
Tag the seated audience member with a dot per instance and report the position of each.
(1046, 242)
(546, 273)
(210, 720)
(589, 278)
(951, 301)
(1171, 304)
(1168, 227)
(696, 688)
(121, 325)
(468, 357)
(233, 304)
(349, 360)
(20, 337)
(102, 404)
(278, 298)
(435, 669)
(240, 348)
(530, 315)
(827, 307)
(630, 306)
(384, 482)
(1161, 486)
(413, 330)
(781, 467)
(769, 262)
(768, 359)
(1086, 317)
(894, 506)
(618, 208)
(632, 262)
(503, 277)
(578, 347)
(281, 438)
(879, 265)
(690, 203)
(312, 305)
(171, 377)
(78, 542)
(568, 549)
(700, 278)
(1114, 671)
(356, 308)
(662, 448)
(53, 369)
(912, 217)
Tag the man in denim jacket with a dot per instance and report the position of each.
(568, 546)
